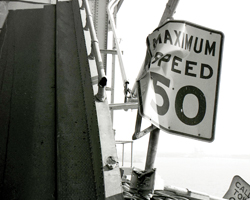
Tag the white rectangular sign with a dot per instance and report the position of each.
(179, 91)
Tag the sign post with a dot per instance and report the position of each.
(179, 91)
(154, 134)
(152, 149)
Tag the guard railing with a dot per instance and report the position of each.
(110, 9)
(95, 52)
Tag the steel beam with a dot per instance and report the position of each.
(27, 105)
(79, 161)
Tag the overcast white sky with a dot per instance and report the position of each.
(138, 18)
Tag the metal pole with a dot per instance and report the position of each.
(152, 148)
(154, 135)
(122, 154)
(131, 154)
(169, 11)
(102, 79)
(167, 14)
(110, 8)
(113, 74)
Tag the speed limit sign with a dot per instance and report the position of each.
(179, 92)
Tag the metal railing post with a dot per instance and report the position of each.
(131, 161)
(96, 51)
(123, 142)
(110, 8)
(122, 154)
